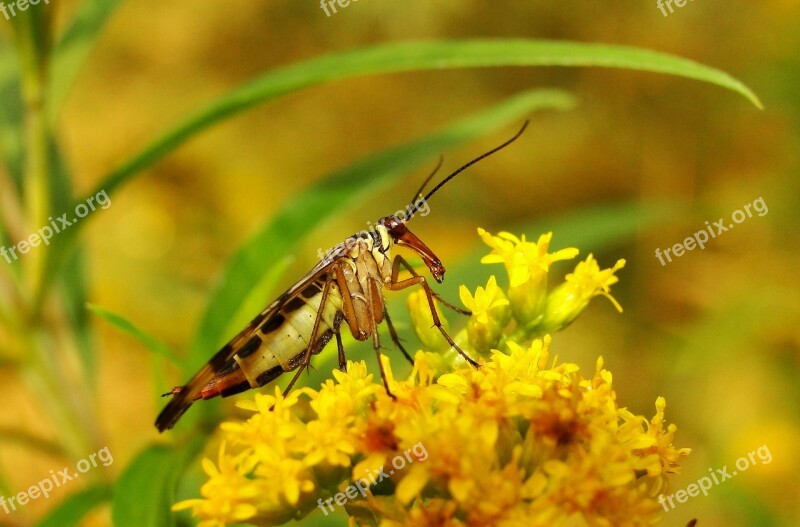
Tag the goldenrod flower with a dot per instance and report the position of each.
(228, 493)
(569, 299)
(527, 264)
(490, 314)
(523, 440)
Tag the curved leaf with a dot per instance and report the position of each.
(74, 46)
(408, 56)
(126, 326)
(262, 292)
(11, 114)
(145, 492)
(334, 193)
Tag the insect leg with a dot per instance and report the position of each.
(349, 309)
(404, 263)
(337, 321)
(457, 309)
(395, 337)
(416, 279)
(376, 304)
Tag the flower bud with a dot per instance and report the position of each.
(569, 299)
(422, 321)
(490, 315)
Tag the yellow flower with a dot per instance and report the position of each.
(522, 440)
(523, 259)
(569, 299)
(527, 264)
(229, 494)
(490, 315)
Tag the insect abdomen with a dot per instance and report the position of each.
(279, 344)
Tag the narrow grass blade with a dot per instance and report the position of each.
(410, 56)
(74, 47)
(71, 511)
(262, 293)
(126, 326)
(11, 114)
(73, 287)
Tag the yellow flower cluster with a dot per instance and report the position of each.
(522, 440)
(528, 265)
(528, 302)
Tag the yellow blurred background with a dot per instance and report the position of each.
(715, 332)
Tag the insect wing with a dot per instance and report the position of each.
(225, 359)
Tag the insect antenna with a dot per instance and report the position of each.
(418, 193)
(414, 205)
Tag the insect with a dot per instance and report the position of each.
(345, 287)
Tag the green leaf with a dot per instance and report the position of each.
(260, 295)
(74, 46)
(336, 192)
(5, 488)
(145, 491)
(64, 260)
(71, 511)
(31, 441)
(73, 287)
(410, 56)
(600, 227)
(158, 349)
(11, 114)
(124, 325)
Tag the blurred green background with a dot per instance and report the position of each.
(640, 163)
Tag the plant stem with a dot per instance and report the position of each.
(62, 401)
(49, 345)
(32, 36)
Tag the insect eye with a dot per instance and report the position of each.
(395, 226)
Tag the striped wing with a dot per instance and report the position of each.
(274, 342)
